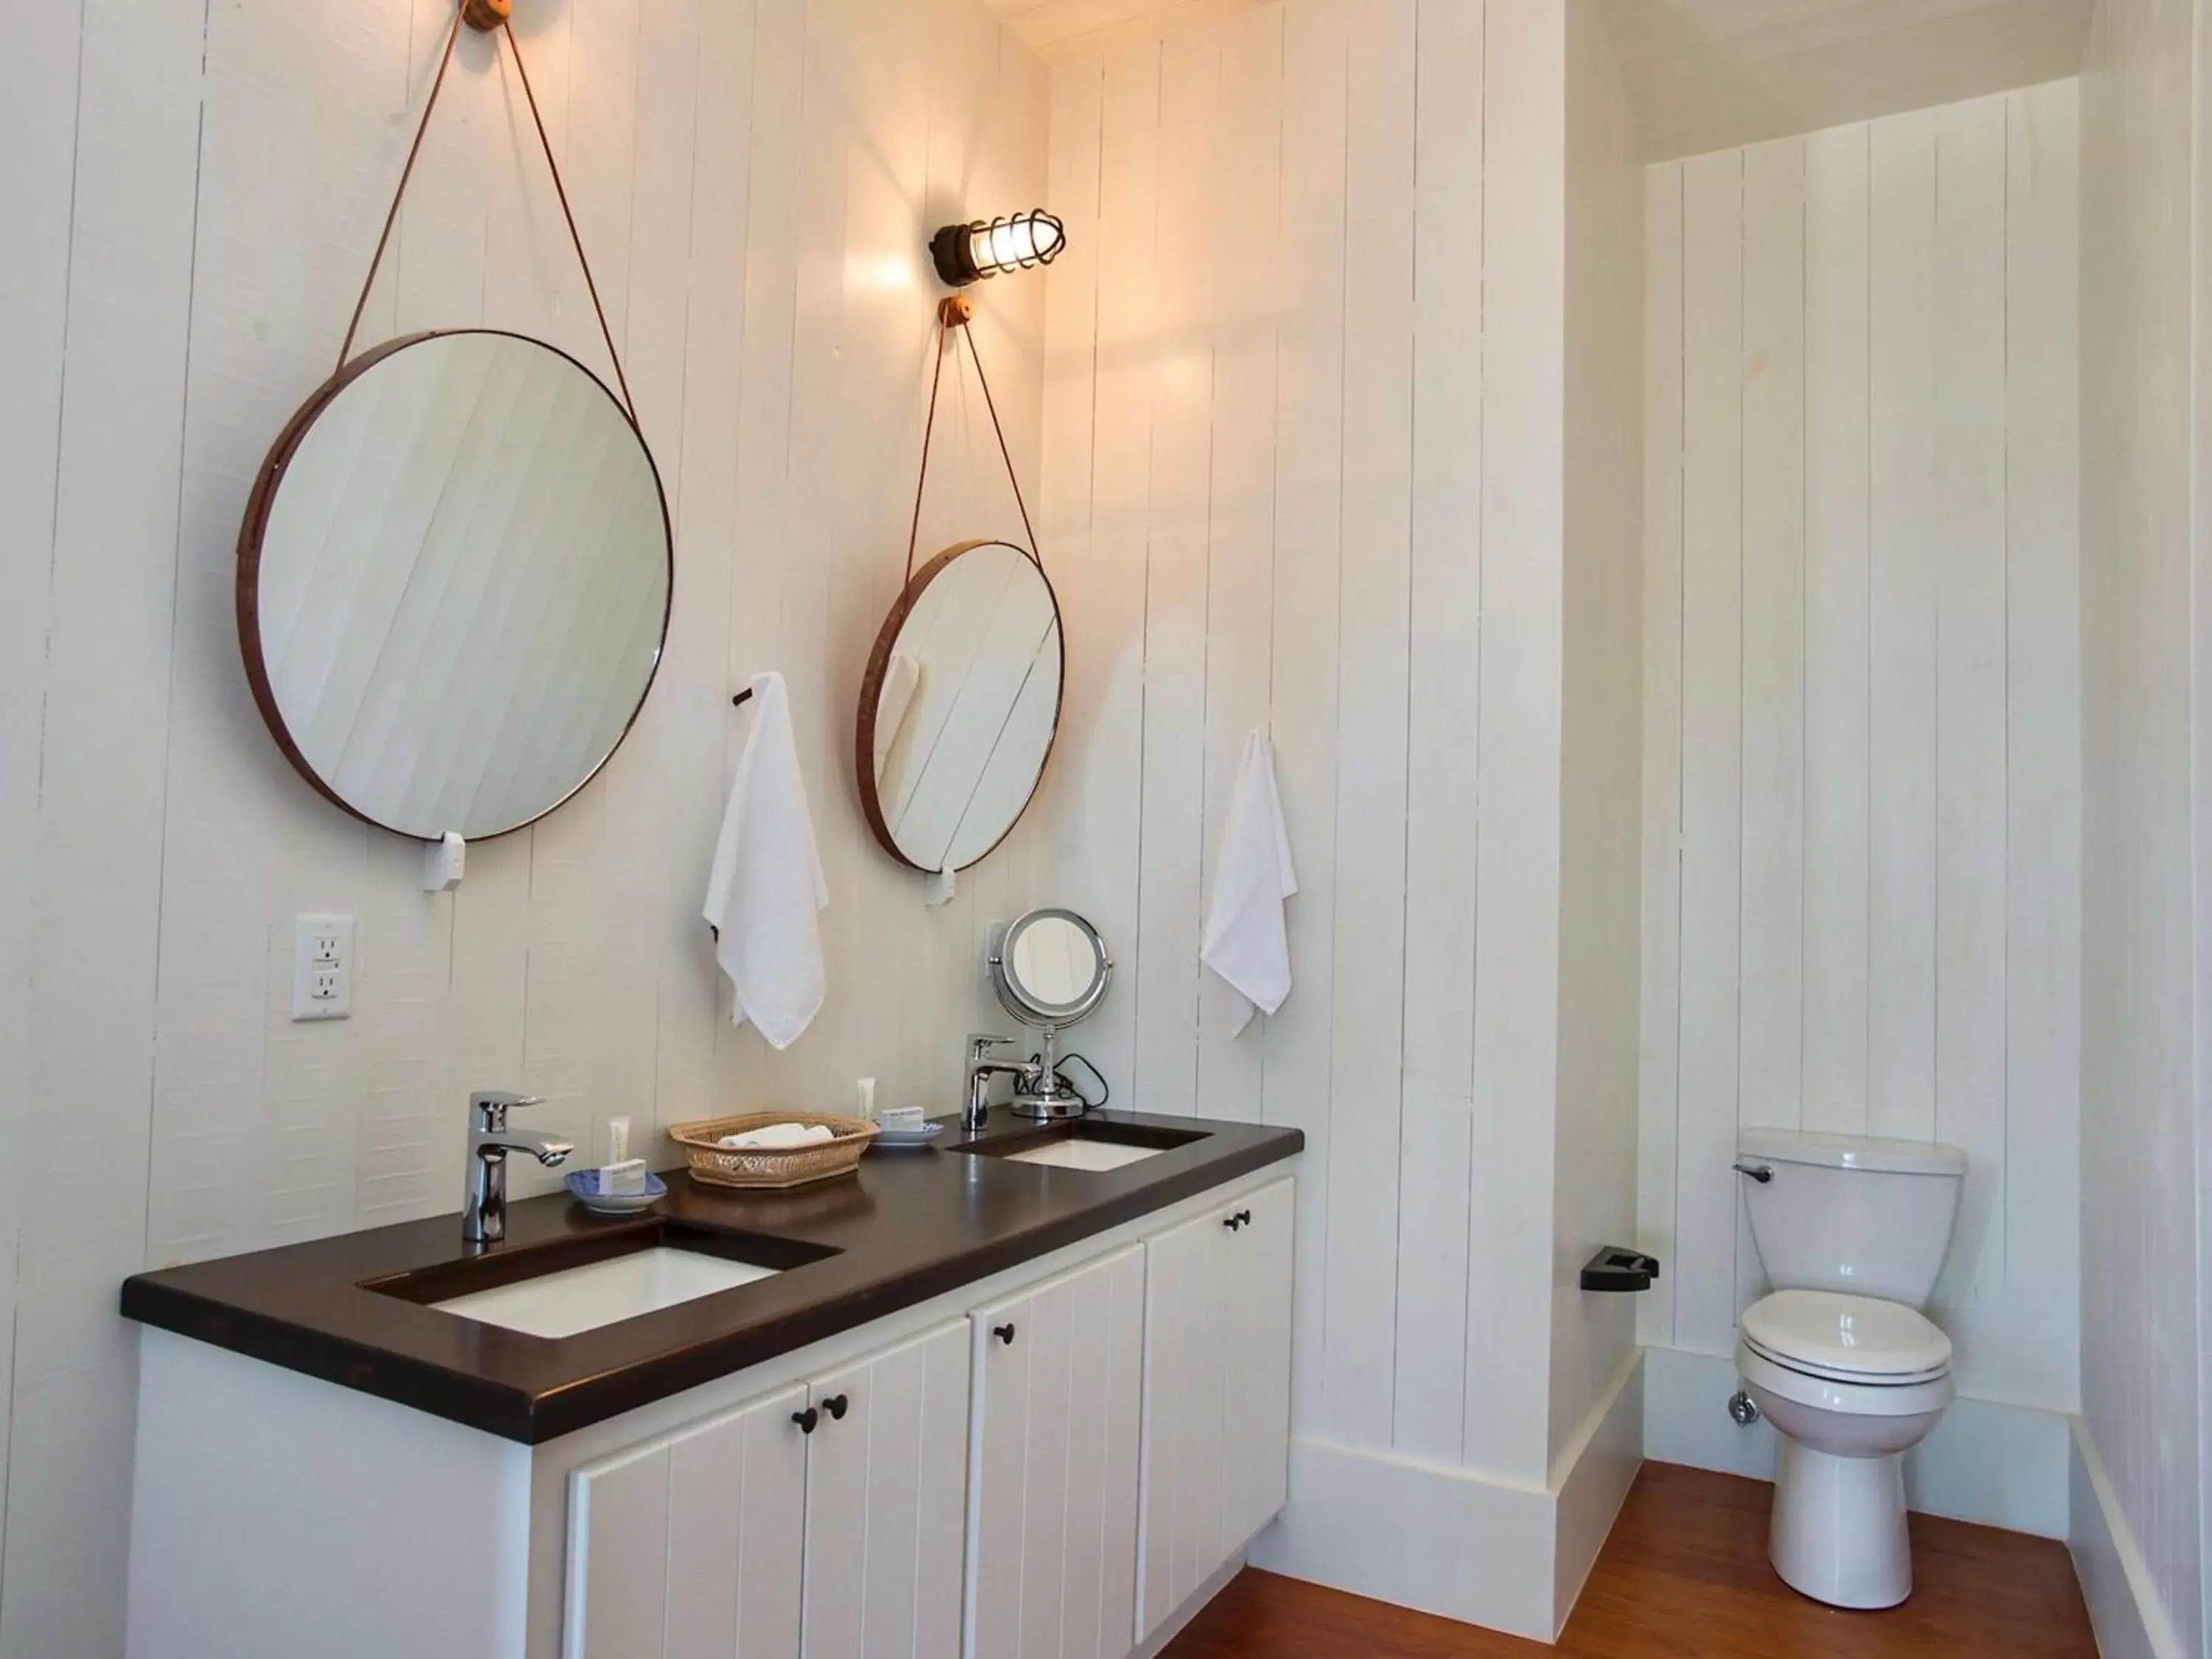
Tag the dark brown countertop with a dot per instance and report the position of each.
(907, 1227)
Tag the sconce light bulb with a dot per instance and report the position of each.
(968, 253)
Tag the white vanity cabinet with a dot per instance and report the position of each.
(1216, 1393)
(1054, 1460)
(1051, 1543)
(756, 1535)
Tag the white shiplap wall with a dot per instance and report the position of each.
(1863, 790)
(2147, 1138)
(191, 193)
(1311, 244)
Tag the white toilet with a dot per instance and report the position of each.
(1852, 1234)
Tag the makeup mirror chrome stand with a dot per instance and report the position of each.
(1050, 969)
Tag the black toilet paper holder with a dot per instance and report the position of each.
(1615, 1269)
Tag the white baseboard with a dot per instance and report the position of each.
(2125, 1609)
(1444, 1541)
(1592, 1479)
(1437, 1540)
(2000, 1465)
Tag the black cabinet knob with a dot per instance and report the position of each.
(836, 1405)
(1004, 1334)
(1243, 1218)
(805, 1420)
(1231, 1223)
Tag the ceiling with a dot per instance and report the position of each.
(1705, 75)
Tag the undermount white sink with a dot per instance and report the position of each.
(1075, 1153)
(604, 1293)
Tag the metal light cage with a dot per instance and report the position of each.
(1021, 241)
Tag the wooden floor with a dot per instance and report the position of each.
(1685, 1576)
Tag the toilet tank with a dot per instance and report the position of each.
(1867, 1217)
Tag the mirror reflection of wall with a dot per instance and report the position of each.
(960, 706)
(1055, 961)
(455, 582)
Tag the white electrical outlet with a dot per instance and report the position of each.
(322, 967)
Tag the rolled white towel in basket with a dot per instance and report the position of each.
(778, 1137)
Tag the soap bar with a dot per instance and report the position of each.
(904, 1118)
(629, 1177)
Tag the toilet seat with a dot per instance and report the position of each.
(1856, 1340)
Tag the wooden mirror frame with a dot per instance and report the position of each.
(872, 690)
(263, 500)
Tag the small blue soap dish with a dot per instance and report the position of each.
(584, 1186)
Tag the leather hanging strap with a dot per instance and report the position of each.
(391, 217)
(953, 314)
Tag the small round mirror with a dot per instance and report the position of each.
(454, 583)
(1051, 970)
(959, 706)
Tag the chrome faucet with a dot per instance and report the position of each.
(982, 1068)
(483, 1220)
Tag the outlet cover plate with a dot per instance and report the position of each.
(322, 967)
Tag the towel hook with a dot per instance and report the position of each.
(742, 698)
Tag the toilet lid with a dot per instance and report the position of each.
(1846, 1336)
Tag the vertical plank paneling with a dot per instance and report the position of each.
(758, 636)
(941, 1499)
(38, 56)
(889, 1584)
(1102, 746)
(1940, 604)
(1001, 1450)
(619, 1572)
(1442, 739)
(1517, 870)
(1045, 1489)
(1064, 495)
(1712, 754)
(771, 1534)
(95, 913)
(1124, 1376)
(705, 1521)
(197, 197)
(1970, 682)
(1243, 201)
(1775, 625)
(1309, 416)
(1180, 377)
(1836, 646)
(2042, 775)
(696, 672)
(1660, 1042)
(1372, 690)
(1903, 558)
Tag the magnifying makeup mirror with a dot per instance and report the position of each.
(1050, 969)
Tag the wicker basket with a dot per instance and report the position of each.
(767, 1167)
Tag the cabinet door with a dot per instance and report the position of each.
(1052, 1556)
(688, 1545)
(886, 1503)
(1257, 1325)
(1185, 1530)
(1217, 1393)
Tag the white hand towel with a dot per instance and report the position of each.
(767, 884)
(1246, 941)
(780, 1137)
